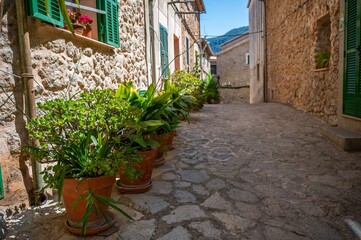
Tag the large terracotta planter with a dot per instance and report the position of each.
(143, 182)
(73, 189)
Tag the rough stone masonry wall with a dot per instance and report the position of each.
(232, 69)
(291, 48)
(190, 29)
(61, 64)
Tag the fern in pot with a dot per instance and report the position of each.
(81, 139)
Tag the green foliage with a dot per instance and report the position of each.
(155, 108)
(79, 135)
(322, 59)
(210, 90)
(83, 137)
(191, 85)
(181, 100)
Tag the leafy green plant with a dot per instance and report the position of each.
(191, 85)
(182, 101)
(210, 89)
(322, 59)
(83, 137)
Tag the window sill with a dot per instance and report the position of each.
(67, 34)
(321, 69)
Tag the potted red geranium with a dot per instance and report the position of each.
(81, 23)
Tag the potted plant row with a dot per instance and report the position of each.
(87, 139)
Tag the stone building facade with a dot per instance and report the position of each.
(292, 46)
(310, 57)
(257, 50)
(190, 11)
(233, 70)
(205, 60)
(62, 65)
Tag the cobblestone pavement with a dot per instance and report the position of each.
(237, 172)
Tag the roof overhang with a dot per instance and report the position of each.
(206, 47)
(200, 5)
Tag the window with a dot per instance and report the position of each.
(352, 81)
(323, 42)
(104, 12)
(214, 69)
(164, 51)
(248, 59)
(187, 49)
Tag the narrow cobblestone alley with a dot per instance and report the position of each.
(237, 172)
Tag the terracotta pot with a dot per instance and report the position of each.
(87, 32)
(73, 190)
(143, 182)
(80, 30)
(165, 141)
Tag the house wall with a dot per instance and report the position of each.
(292, 43)
(191, 30)
(62, 65)
(233, 71)
(257, 57)
(169, 19)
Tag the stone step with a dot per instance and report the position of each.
(345, 139)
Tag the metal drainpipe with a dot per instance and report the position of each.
(28, 83)
(200, 46)
(152, 42)
(265, 75)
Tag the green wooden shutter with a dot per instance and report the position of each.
(164, 51)
(37, 9)
(108, 25)
(352, 83)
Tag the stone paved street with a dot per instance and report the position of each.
(237, 172)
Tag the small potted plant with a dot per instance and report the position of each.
(81, 23)
(210, 90)
(78, 138)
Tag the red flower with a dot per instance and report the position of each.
(84, 19)
(78, 18)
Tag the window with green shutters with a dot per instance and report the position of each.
(164, 51)
(37, 9)
(108, 30)
(352, 83)
(107, 19)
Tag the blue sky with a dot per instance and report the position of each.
(223, 15)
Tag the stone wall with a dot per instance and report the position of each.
(291, 49)
(229, 95)
(233, 71)
(190, 30)
(62, 64)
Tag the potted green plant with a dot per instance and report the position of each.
(210, 90)
(192, 85)
(322, 59)
(80, 139)
(149, 121)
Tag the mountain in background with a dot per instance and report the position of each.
(216, 42)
